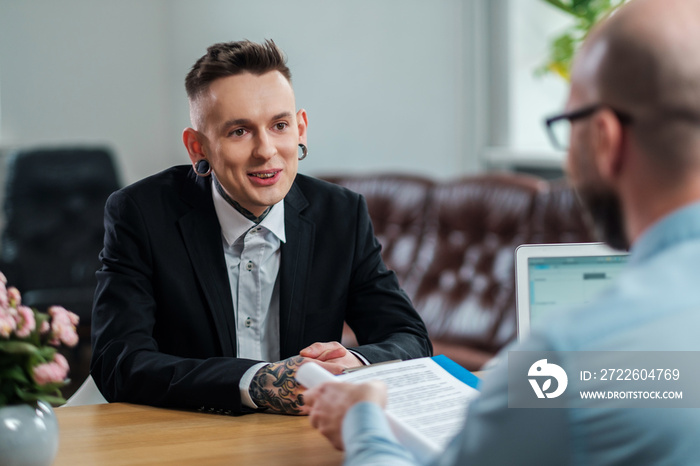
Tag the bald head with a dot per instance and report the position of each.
(645, 61)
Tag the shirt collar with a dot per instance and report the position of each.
(679, 226)
(234, 224)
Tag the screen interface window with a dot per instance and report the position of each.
(564, 282)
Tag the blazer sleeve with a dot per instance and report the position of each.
(129, 362)
(379, 311)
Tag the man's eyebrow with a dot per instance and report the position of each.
(245, 121)
(282, 115)
(237, 121)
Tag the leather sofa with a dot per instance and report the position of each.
(452, 243)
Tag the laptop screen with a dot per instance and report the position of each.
(553, 277)
(565, 282)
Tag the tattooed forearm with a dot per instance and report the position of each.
(275, 388)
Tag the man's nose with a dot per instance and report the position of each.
(265, 147)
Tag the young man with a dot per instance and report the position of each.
(214, 270)
(634, 158)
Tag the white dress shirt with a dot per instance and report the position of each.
(252, 254)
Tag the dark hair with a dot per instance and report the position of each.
(231, 58)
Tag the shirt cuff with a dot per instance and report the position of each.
(244, 384)
(362, 359)
(369, 440)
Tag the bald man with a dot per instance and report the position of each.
(634, 158)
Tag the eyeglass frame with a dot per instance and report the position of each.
(574, 115)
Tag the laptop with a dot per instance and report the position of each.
(553, 277)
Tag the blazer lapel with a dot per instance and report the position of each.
(294, 272)
(201, 233)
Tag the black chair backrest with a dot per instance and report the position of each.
(54, 208)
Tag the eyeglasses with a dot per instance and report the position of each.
(559, 126)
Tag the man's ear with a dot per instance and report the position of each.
(302, 124)
(607, 135)
(192, 140)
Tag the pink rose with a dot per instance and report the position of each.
(51, 372)
(63, 313)
(14, 297)
(62, 362)
(26, 322)
(7, 323)
(63, 324)
(4, 301)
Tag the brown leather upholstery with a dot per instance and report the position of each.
(558, 216)
(452, 245)
(397, 206)
(463, 281)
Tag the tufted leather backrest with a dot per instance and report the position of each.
(463, 281)
(558, 216)
(453, 244)
(397, 205)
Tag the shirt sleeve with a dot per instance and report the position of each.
(492, 434)
(368, 438)
(362, 359)
(496, 434)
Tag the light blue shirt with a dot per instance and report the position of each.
(654, 306)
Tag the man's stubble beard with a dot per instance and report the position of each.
(602, 206)
(604, 212)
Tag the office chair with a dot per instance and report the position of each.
(54, 208)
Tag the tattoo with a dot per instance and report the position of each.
(274, 387)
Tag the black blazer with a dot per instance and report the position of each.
(163, 327)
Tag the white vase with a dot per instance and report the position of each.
(28, 435)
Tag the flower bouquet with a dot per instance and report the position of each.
(31, 368)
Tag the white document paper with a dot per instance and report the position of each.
(426, 405)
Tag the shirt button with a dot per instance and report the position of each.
(248, 322)
(249, 266)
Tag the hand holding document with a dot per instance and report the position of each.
(427, 398)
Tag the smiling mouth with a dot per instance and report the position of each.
(264, 176)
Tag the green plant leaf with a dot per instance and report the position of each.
(585, 13)
(18, 347)
(51, 399)
(14, 373)
(561, 5)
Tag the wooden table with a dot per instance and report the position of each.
(126, 434)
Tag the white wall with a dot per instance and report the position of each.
(527, 27)
(381, 80)
(534, 24)
(80, 71)
(390, 85)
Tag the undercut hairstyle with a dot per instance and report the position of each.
(232, 58)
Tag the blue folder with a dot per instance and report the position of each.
(457, 371)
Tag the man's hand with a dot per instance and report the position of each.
(330, 401)
(334, 354)
(274, 387)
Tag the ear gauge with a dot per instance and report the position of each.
(304, 151)
(202, 168)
